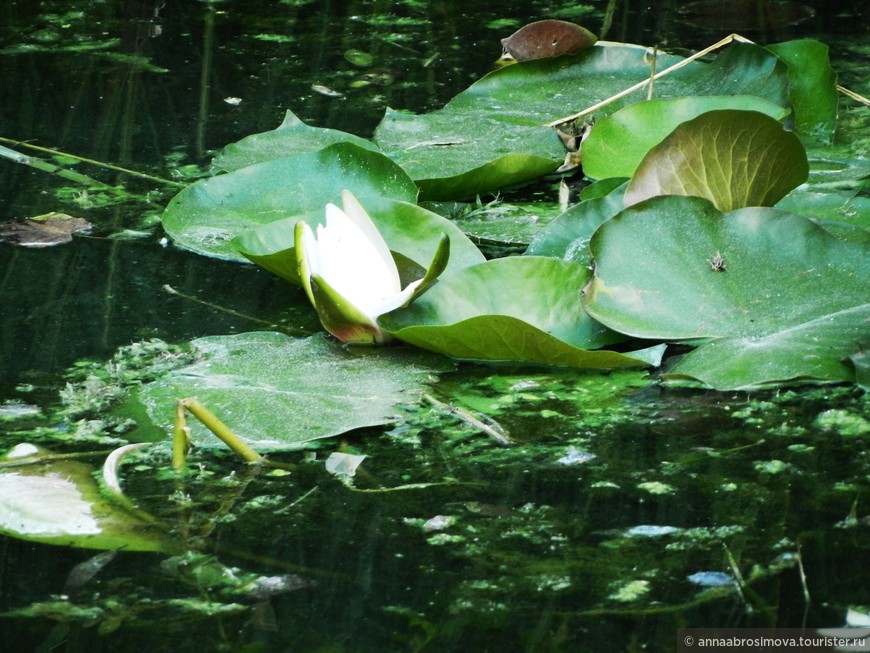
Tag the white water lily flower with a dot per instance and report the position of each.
(349, 274)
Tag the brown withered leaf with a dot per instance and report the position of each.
(547, 38)
(43, 230)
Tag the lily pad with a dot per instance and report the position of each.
(278, 392)
(815, 350)
(459, 155)
(290, 138)
(617, 144)
(207, 215)
(515, 309)
(508, 224)
(491, 135)
(733, 158)
(59, 502)
(410, 231)
(812, 86)
(846, 208)
(675, 268)
(567, 237)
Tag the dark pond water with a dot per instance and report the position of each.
(623, 512)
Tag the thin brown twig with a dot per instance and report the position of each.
(667, 71)
(855, 96)
(229, 311)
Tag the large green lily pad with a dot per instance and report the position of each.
(457, 155)
(59, 502)
(617, 144)
(292, 137)
(516, 309)
(812, 86)
(815, 350)
(733, 158)
(848, 209)
(278, 392)
(492, 134)
(507, 224)
(790, 295)
(207, 215)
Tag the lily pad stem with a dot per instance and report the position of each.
(223, 309)
(107, 166)
(221, 430)
(180, 438)
(804, 585)
(45, 166)
(855, 96)
(739, 583)
(113, 484)
(494, 431)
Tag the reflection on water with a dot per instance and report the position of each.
(88, 298)
(585, 535)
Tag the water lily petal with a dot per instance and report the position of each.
(398, 300)
(353, 264)
(360, 217)
(306, 252)
(349, 273)
(349, 321)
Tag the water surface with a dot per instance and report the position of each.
(622, 512)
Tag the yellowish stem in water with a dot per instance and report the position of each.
(653, 58)
(180, 437)
(495, 430)
(221, 430)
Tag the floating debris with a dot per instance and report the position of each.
(325, 90)
(343, 465)
(711, 579)
(575, 456)
(43, 230)
(651, 530)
